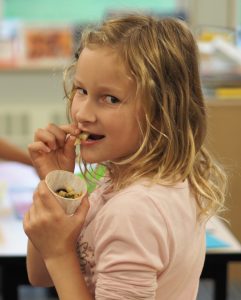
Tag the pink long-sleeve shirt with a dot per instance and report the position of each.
(143, 242)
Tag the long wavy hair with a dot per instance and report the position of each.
(162, 57)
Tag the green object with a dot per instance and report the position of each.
(92, 177)
(77, 10)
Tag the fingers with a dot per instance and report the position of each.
(71, 129)
(53, 148)
(38, 147)
(54, 136)
(29, 217)
(43, 198)
(48, 137)
(43, 206)
(26, 220)
(69, 148)
(83, 209)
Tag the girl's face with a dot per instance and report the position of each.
(104, 106)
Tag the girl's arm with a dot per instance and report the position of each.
(65, 271)
(67, 278)
(52, 255)
(38, 274)
(11, 152)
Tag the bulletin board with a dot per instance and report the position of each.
(78, 10)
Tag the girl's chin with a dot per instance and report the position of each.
(91, 161)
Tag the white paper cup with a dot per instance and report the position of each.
(59, 179)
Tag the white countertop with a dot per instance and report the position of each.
(17, 182)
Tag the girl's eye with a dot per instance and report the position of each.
(81, 91)
(112, 100)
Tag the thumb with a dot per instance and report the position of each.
(69, 147)
(82, 210)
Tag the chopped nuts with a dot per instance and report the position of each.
(68, 193)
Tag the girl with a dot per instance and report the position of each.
(141, 234)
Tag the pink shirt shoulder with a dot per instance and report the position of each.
(142, 242)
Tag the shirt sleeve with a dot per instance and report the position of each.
(131, 248)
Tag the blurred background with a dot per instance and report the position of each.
(38, 40)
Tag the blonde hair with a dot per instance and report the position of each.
(162, 57)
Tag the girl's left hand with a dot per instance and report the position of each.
(50, 229)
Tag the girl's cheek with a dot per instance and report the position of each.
(73, 110)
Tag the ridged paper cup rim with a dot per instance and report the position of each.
(59, 179)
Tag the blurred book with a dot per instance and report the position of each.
(228, 93)
(220, 68)
(35, 45)
(10, 32)
(47, 43)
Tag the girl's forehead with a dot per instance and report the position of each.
(105, 60)
(106, 54)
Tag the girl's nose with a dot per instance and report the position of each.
(86, 112)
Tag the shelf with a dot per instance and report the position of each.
(48, 65)
(223, 102)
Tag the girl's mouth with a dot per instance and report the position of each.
(95, 137)
(85, 136)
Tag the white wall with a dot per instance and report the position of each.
(222, 13)
(30, 99)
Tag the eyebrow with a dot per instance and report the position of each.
(76, 81)
(101, 87)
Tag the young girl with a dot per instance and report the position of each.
(141, 234)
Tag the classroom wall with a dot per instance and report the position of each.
(30, 98)
(38, 94)
(224, 128)
(223, 13)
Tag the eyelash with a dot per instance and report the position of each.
(78, 89)
(112, 97)
(82, 91)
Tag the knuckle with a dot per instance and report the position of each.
(50, 126)
(57, 217)
(26, 229)
(41, 193)
(38, 131)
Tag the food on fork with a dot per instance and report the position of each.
(82, 137)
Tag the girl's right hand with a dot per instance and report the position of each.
(53, 149)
